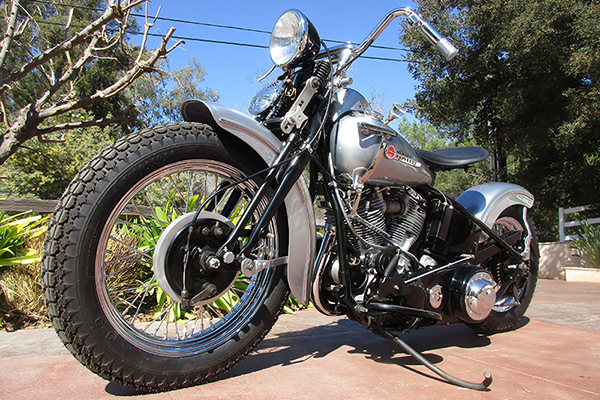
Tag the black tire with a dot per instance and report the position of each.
(99, 284)
(506, 314)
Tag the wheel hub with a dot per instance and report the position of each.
(185, 259)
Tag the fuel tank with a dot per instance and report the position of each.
(366, 152)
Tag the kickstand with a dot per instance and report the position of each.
(455, 381)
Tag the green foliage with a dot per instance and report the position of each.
(14, 231)
(143, 234)
(20, 289)
(159, 95)
(43, 170)
(524, 85)
(292, 305)
(589, 243)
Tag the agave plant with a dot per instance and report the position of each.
(15, 230)
(588, 243)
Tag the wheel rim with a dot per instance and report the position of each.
(129, 295)
(503, 227)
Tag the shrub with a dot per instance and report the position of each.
(15, 230)
(589, 243)
(21, 302)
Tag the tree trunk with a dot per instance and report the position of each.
(498, 164)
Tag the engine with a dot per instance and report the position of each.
(391, 278)
(392, 216)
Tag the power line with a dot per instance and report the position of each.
(193, 39)
(224, 42)
(231, 27)
(182, 21)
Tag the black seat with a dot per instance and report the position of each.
(453, 157)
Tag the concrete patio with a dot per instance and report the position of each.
(554, 354)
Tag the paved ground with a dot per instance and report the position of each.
(554, 354)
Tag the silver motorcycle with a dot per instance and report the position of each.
(172, 253)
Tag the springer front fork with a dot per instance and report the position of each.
(289, 168)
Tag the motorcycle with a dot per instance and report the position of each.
(172, 253)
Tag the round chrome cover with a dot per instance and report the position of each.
(436, 295)
(479, 296)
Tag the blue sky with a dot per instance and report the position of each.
(231, 68)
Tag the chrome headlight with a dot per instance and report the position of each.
(294, 38)
(265, 97)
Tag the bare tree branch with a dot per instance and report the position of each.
(6, 42)
(112, 12)
(127, 79)
(10, 31)
(147, 27)
(69, 20)
(68, 75)
(94, 40)
(84, 124)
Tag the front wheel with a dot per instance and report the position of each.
(119, 312)
(520, 279)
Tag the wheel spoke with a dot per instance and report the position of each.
(138, 302)
(142, 253)
(121, 269)
(150, 286)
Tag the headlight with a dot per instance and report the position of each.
(265, 97)
(294, 39)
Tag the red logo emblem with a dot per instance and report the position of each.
(390, 152)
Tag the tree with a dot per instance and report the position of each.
(159, 95)
(44, 170)
(525, 85)
(424, 136)
(45, 73)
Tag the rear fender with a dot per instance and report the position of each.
(489, 200)
(298, 205)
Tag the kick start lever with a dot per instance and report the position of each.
(487, 381)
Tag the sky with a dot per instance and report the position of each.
(230, 69)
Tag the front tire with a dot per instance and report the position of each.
(99, 282)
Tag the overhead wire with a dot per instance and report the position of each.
(212, 25)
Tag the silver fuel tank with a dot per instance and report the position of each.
(365, 152)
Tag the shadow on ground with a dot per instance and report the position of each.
(298, 346)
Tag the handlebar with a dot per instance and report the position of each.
(442, 44)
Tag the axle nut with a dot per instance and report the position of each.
(214, 262)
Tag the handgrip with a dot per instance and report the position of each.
(436, 38)
(442, 44)
(446, 48)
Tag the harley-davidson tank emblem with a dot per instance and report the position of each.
(398, 155)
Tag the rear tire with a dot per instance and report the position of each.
(509, 310)
(99, 284)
